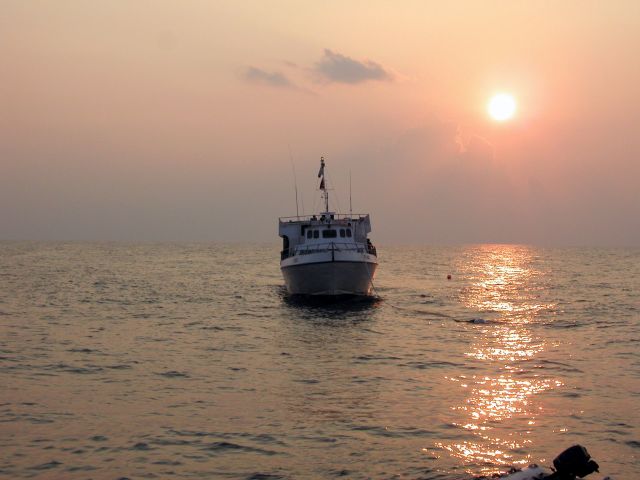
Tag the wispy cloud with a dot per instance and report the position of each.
(273, 79)
(477, 146)
(335, 67)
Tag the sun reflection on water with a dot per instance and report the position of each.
(499, 411)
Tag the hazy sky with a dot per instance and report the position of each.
(172, 120)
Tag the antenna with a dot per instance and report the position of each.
(295, 180)
(350, 205)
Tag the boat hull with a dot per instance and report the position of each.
(330, 278)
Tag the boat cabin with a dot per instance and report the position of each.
(328, 231)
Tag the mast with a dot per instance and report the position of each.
(323, 186)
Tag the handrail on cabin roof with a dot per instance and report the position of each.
(336, 216)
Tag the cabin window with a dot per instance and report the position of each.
(342, 234)
(349, 232)
(316, 234)
(329, 234)
(309, 234)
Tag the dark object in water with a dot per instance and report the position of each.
(477, 320)
(473, 320)
(573, 462)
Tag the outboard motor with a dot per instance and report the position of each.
(573, 462)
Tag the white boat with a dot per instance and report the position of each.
(327, 253)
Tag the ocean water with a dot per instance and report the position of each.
(189, 361)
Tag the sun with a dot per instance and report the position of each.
(502, 107)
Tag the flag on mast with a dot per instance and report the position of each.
(321, 173)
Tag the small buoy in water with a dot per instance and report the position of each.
(449, 277)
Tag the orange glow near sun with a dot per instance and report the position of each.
(502, 107)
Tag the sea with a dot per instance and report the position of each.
(189, 361)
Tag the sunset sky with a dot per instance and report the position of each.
(172, 120)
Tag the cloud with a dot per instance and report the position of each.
(272, 79)
(477, 146)
(446, 179)
(339, 68)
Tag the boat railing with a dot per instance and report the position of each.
(328, 247)
(324, 217)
